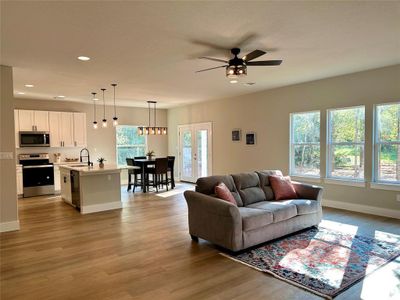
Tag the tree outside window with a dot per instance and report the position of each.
(305, 143)
(129, 143)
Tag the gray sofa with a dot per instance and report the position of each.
(257, 218)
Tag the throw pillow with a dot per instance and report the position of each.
(282, 187)
(222, 192)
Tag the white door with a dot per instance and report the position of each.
(41, 120)
(195, 151)
(16, 124)
(26, 120)
(67, 129)
(80, 129)
(55, 130)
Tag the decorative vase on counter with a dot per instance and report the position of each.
(101, 161)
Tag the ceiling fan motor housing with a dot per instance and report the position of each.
(236, 68)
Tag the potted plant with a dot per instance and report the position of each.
(150, 154)
(101, 161)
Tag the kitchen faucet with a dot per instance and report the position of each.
(87, 156)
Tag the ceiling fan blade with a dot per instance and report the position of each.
(253, 55)
(211, 69)
(265, 63)
(214, 59)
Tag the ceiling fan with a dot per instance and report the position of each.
(237, 67)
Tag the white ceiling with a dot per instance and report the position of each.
(150, 48)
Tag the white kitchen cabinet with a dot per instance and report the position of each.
(33, 120)
(20, 186)
(26, 120)
(55, 124)
(41, 120)
(66, 185)
(57, 179)
(67, 129)
(16, 124)
(79, 129)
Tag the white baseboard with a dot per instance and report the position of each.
(100, 207)
(9, 226)
(373, 210)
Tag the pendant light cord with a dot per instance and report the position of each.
(94, 106)
(148, 104)
(104, 105)
(155, 114)
(115, 109)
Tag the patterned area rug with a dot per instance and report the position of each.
(323, 261)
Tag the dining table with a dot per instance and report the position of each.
(143, 163)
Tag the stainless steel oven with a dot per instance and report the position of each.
(34, 139)
(38, 174)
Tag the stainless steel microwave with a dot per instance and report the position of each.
(34, 139)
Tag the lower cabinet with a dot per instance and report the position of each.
(66, 185)
(57, 179)
(20, 186)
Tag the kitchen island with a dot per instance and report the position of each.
(91, 189)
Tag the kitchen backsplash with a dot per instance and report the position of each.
(65, 153)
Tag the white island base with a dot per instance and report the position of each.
(99, 189)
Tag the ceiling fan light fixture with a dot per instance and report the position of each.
(234, 72)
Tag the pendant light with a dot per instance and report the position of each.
(94, 111)
(104, 124)
(152, 130)
(115, 119)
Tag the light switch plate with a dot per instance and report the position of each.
(6, 155)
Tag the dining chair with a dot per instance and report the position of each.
(137, 174)
(160, 169)
(171, 163)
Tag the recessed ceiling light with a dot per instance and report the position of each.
(95, 99)
(249, 83)
(233, 81)
(29, 85)
(84, 58)
(61, 96)
(20, 93)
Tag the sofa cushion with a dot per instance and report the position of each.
(248, 186)
(282, 187)
(253, 218)
(206, 185)
(265, 184)
(222, 192)
(304, 206)
(281, 210)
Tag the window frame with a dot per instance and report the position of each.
(330, 145)
(375, 148)
(293, 145)
(127, 146)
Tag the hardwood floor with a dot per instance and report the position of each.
(143, 251)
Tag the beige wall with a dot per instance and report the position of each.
(8, 185)
(267, 113)
(101, 141)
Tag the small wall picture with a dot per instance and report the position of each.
(250, 138)
(236, 135)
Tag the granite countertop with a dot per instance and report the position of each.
(85, 170)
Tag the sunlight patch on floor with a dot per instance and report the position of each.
(387, 279)
(169, 193)
(342, 227)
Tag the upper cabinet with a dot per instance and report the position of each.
(66, 129)
(79, 133)
(33, 120)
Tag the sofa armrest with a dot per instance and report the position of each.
(308, 191)
(215, 220)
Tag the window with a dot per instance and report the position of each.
(304, 143)
(345, 151)
(129, 143)
(387, 143)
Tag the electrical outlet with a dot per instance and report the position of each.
(109, 177)
(398, 197)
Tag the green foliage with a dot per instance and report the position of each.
(129, 143)
(306, 127)
(347, 125)
(388, 122)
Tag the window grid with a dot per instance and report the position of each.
(331, 145)
(378, 143)
(139, 149)
(293, 144)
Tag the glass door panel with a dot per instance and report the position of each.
(202, 152)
